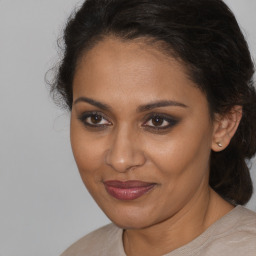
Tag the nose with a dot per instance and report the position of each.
(124, 152)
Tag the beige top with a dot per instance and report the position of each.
(234, 234)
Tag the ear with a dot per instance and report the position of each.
(225, 127)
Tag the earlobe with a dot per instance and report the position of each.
(225, 127)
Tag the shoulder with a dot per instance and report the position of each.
(106, 240)
(244, 220)
(235, 234)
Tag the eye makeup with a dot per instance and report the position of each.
(94, 119)
(159, 122)
(152, 122)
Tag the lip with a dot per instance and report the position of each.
(128, 190)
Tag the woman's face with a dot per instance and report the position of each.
(140, 131)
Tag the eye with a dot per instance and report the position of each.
(160, 121)
(94, 119)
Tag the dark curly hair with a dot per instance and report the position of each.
(205, 37)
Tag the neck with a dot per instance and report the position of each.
(205, 208)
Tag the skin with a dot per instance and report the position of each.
(125, 144)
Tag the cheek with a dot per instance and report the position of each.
(182, 162)
(184, 153)
(88, 152)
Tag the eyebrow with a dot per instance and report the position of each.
(93, 102)
(142, 108)
(158, 104)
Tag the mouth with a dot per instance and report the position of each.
(128, 190)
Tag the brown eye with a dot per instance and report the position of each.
(160, 122)
(96, 119)
(157, 121)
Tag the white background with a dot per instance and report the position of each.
(44, 206)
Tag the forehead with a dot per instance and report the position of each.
(115, 69)
(121, 54)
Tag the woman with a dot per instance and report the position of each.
(163, 120)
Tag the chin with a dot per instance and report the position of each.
(131, 223)
(130, 218)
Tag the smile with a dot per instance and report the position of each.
(128, 190)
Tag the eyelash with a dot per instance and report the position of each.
(149, 118)
(87, 115)
(165, 118)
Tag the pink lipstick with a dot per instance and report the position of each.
(127, 190)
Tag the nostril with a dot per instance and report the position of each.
(123, 161)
